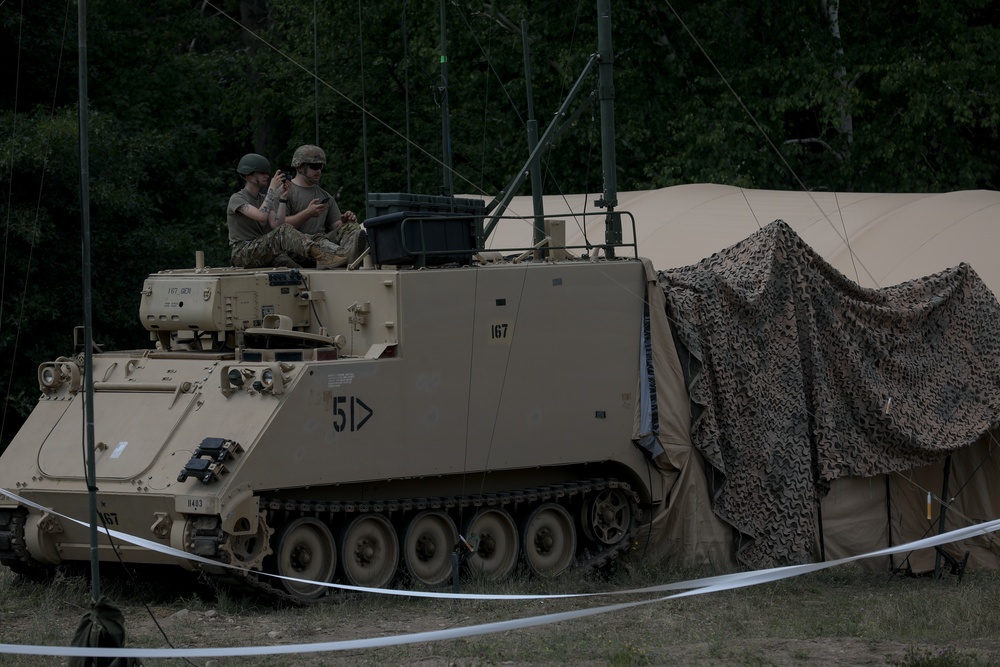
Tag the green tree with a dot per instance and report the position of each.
(156, 175)
(850, 95)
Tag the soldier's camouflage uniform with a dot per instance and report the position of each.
(276, 248)
(326, 226)
(254, 244)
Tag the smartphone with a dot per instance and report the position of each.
(324, 200)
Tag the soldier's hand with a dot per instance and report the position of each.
(315, 208)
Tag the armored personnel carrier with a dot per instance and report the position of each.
(353, 423)
(356, 424)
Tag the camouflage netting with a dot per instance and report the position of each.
(798, 376)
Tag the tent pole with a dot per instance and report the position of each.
(888, 519)
(941, 517)
(819, 524)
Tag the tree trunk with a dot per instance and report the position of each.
(254, 16)
(831, 8)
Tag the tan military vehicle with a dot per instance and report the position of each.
(353, 424)
(357, 424)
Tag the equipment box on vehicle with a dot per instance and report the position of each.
(423, 239)
(423, 230)
(384, 203)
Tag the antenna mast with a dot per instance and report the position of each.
(88, 340)
(603, 60)
(606, 86)
(443, 89)
(536, 167)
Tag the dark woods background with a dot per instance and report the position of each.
(857, 95)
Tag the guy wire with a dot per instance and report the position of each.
(774, 149)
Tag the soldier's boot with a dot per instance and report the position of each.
(283, 261)
(356, 245)
(327, 255)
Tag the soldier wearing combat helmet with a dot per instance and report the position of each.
(258, 236)
(313, 211)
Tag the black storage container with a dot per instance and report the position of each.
(423, 239)
(422, 229)
(384, 203)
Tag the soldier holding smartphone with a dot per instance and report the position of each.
(255, 218)
(313, 211)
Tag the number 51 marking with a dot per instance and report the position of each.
(347, 410)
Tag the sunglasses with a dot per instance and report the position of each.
(315, 166)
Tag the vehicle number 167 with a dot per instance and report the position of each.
(498, 331)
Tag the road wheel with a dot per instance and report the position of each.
(548, 539)
(306, 551)
(369, 551)
(496, 554)
(427, 547)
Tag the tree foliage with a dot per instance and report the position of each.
(826, 94)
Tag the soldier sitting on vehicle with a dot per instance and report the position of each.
(258, 235)
(313, 211)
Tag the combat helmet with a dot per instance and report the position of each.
(308, 154)
(252, 162)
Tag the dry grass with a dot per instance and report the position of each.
(842, 616)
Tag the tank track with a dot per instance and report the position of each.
(13, 549)
(587, 560)
(209, 537)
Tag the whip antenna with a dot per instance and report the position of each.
(443, 89)
(316, 69)
(364, 108)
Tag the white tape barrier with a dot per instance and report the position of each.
(692, 587)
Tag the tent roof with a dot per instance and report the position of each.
(894, 237)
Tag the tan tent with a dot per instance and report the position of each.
(875, 240)
(894, 237)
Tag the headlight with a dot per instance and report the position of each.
(267, 378)
(49, 376)
(236, 377)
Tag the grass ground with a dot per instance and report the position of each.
(843, 616)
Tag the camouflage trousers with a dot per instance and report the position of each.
(284, 247)
(276, 248)
(341, 233)
(339, 237)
